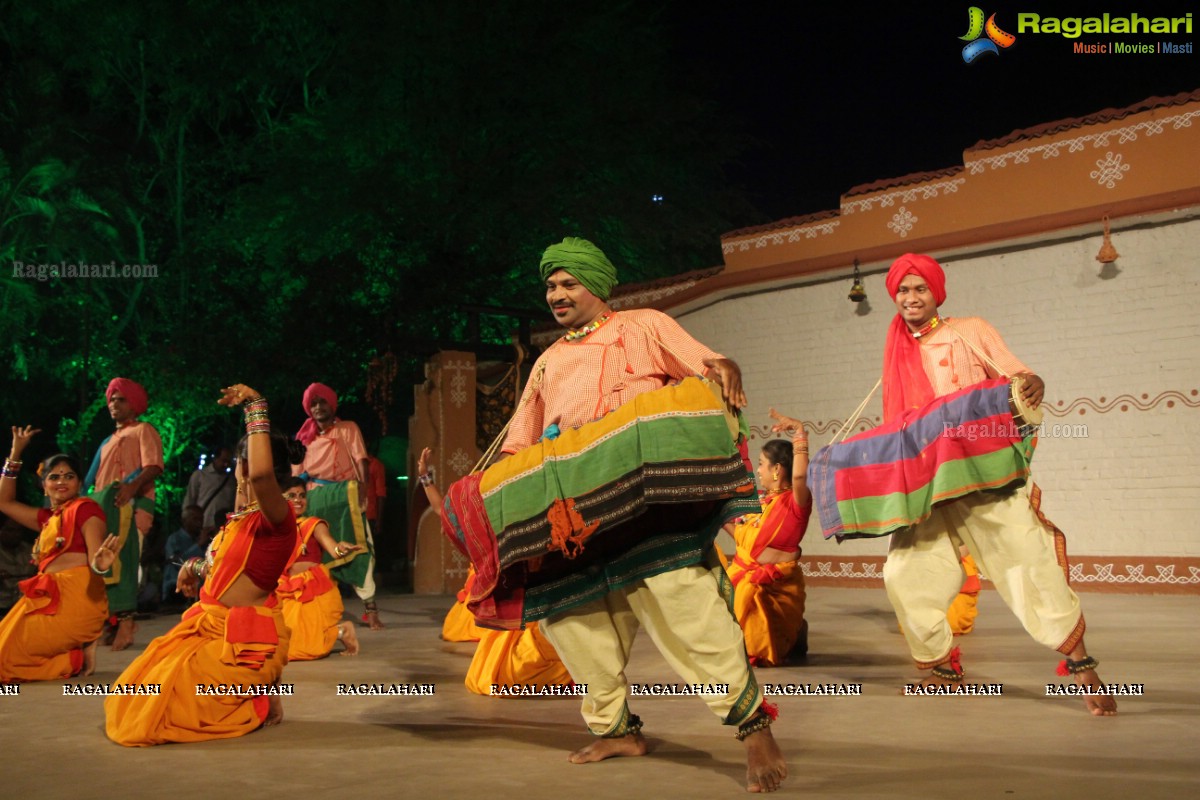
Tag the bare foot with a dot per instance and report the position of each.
(89, 659)
(765, 766)
(1098, 705)
(632, 745)
(372, 619)
(126, 627)
(349, 638)
(274, 711)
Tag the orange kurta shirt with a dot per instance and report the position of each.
(131, 448)
(335, 454)
(583, 380)
(952, 365)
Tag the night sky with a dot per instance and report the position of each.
(839, 95)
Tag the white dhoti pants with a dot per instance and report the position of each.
(690, 624)
(1010, 545)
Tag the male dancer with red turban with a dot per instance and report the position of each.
(337, 454)
(604, 361)
(1012, 542)
(123, 473)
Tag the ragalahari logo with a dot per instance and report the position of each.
(976, 27)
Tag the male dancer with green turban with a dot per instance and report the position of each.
(605, 360)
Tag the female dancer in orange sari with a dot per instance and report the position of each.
(219, 668)
(768, 583)
(311, 604)
(52, 630)
(502, 658)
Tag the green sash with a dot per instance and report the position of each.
(122, 581)
(337, 504)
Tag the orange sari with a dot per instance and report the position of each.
(310, 602)
(524, 658)
(768, 599)
(232, 649)
(459, 625)
(43, 635)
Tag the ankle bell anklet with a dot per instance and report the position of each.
(1069, 667)
(950, 669)
(947, 673)
(759, 722)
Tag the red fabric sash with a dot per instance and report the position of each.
(42, 591)
(905, 384)
(250, 637)
(465, 523)
(306, 586)
(755, 572)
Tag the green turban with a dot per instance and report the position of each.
(583, 260)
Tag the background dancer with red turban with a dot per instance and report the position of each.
(336, 467)
(123, 474)
(926, 357)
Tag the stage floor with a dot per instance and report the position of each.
(879, 744)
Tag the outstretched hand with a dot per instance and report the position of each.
(21, 437)
(106, 554)
(237, 394)
(784, 423)
(729, 375)
(423, 461)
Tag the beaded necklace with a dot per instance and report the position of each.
(928, 327)
(574, 336)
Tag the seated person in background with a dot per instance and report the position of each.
(181, 545)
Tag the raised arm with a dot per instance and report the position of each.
(432, 493)
(261, 463)
(24, 515)
(800, 492)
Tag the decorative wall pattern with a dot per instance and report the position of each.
(786, 236)
(907, 195)
(1127, 133)
(1164, 574)
(902, 222)
(818, 428)
(1061, 408)
(1124, 402)
(1130, 574)
(1109, 170)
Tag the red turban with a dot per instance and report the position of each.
(922, 266)
(308, 431)
(131, 391)
(905, 384)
